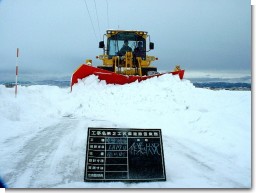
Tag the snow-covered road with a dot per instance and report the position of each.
(37, 156)
(55, 157)
(205, 167)
(206, 134)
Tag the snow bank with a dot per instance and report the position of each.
(206, 134)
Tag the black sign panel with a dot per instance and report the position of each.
(124, 155)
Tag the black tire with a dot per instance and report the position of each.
(108, 68)
(145, 71)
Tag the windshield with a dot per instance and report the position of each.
(117, 42)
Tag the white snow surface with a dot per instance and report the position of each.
(206, 134)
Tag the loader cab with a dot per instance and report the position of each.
(115, 43)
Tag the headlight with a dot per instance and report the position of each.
(101, 57)
(151, 58)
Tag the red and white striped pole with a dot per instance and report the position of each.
(17, 70)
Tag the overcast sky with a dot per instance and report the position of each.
(57, 36)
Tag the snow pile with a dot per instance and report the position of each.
(206, 134)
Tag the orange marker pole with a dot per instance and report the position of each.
(17, 71)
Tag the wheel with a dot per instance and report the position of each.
(108, 68)
(148, 71)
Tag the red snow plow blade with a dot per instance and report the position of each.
(112, 77)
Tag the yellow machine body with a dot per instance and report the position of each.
(134, 61)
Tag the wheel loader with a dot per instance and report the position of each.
(124, 59)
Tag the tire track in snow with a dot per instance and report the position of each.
(192, 160)
(54, 156)
(35, 153)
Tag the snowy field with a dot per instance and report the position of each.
(206, 134)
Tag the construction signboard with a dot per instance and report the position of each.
(114, 154)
